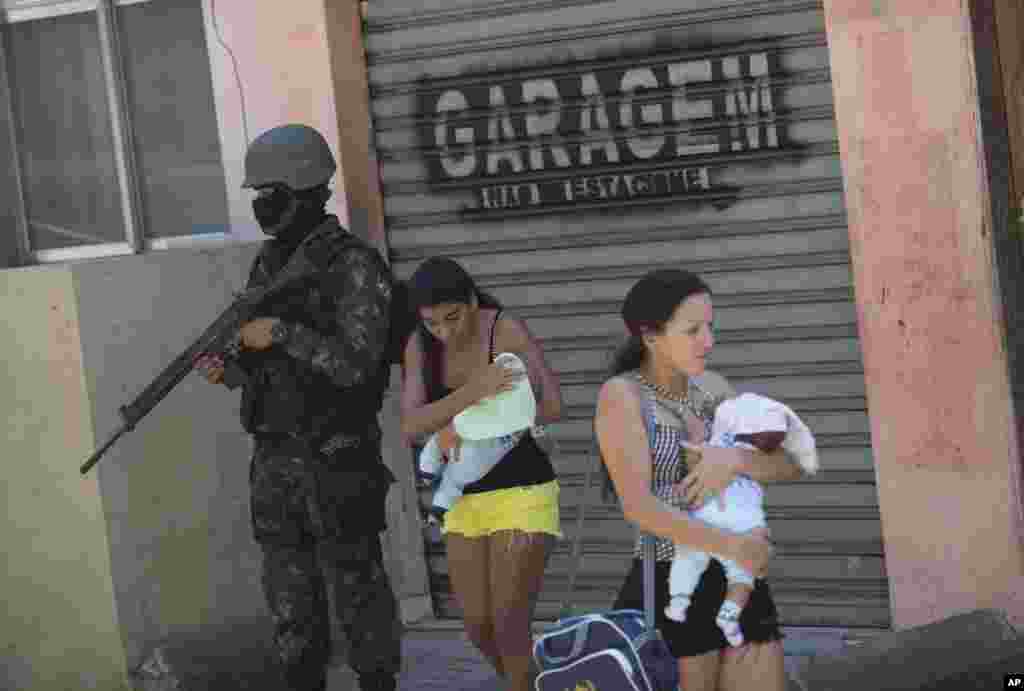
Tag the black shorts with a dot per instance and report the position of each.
(700, 634)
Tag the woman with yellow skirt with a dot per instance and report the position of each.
(500, 532)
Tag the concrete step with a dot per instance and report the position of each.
(437, 656)
(969, 651)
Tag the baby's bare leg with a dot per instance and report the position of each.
(728, 620)
(737, 595)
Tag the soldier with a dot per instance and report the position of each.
(315, 370)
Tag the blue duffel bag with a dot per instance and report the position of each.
(615, 650)
(607, 651)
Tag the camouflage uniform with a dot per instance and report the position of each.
(318, 506)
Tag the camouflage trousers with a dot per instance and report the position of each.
(299, 519)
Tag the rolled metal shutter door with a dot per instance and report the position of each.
(560, 149)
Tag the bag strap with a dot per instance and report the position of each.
(565, 610)
(490, 348)
(647, 542)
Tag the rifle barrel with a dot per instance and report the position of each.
(213, 338)
(95, 458)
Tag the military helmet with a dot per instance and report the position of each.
(293, 155)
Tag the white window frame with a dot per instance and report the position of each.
(136, 242)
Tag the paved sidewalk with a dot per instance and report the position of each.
(437, 655)
(431, 659)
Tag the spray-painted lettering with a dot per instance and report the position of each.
(635, 121)
(531, 135)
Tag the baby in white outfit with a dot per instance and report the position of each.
(753, 422)
(478, 438)
(470, 460)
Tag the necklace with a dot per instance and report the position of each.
(683, 402)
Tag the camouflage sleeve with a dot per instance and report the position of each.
(257, 277)
(362, 302)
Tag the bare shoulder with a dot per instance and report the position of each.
(618, 389)
(506, 324)
(510, 333)
(715, 384)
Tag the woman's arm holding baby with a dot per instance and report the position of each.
(711, 469)
(776, 466)
(512, 335)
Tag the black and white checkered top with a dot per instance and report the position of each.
(669, 457)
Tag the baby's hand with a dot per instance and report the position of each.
(449, 441)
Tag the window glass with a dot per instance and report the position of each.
(64, 132)
(171, 107)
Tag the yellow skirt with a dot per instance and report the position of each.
(532, 509)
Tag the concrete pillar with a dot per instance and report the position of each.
(403, 542)
(930, 310)
(349, 73)
(1005, 26)
(1008, 26)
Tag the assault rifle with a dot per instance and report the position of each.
(218, 338)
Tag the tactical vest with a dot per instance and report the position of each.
(287, 397)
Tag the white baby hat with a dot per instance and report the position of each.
(750, 413)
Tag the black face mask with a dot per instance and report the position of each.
(289, 217)
(275, 211)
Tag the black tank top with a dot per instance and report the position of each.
(526, 464)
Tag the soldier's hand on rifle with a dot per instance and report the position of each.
(211, 367)
(256, 335)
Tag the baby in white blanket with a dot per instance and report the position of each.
(752, 422)
(478, 438)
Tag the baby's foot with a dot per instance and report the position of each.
(676, 608)
(728, 621)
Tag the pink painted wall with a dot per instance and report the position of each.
(297, 61)
(944, 438)
(283, 64)
(349, 71)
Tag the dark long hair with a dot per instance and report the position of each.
(648, 307)
(437, 281)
